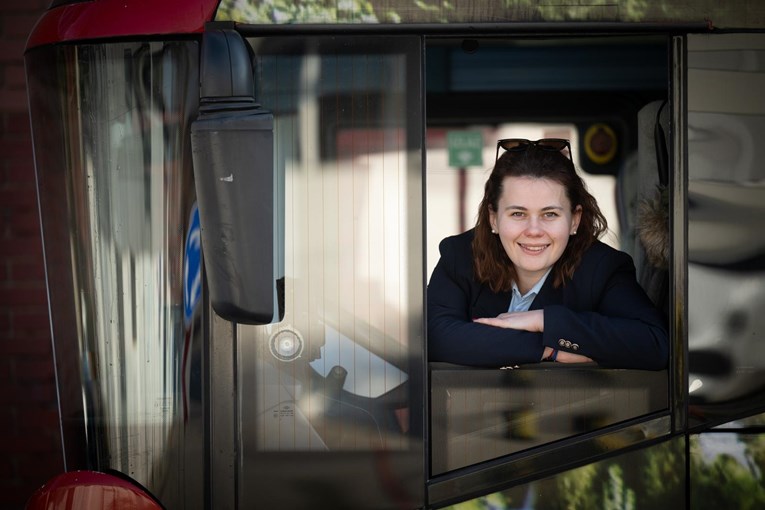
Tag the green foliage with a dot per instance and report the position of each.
(298, 11)
(723, 481)
(651, 478)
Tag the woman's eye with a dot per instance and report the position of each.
(516, 214)
(551, 214)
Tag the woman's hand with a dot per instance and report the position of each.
(570, 357)
(533, 320)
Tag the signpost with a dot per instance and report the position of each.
(465, 149)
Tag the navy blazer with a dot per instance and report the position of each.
(601, 313)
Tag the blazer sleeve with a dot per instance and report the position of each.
(453, 336)
(620, 326)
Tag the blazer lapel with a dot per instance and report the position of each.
(548, 295)
(489, 304)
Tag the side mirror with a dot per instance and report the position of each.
(237, 187)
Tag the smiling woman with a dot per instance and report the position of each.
(532, 282)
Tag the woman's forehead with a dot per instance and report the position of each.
(531, 191)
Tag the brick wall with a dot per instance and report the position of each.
(30, 446)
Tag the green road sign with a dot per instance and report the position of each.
(465, 148)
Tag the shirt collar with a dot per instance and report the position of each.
(535, 289)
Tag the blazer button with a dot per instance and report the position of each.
(562, 342)
(568, 344)
(575, 347)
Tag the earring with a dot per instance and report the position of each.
(573, 233)
(493, 231)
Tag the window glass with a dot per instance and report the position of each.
(119, 221)
(726, 225)
(652, 477)
(726, 470)
(339, 379)
(548, 88)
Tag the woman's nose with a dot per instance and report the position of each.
(533, 227)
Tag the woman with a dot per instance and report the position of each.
(532, 281)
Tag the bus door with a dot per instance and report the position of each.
(329, 401)
(726, 262)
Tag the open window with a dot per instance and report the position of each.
(609, 96)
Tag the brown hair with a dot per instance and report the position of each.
(491, 264)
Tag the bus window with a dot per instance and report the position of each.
(582, 90)
(726, 221)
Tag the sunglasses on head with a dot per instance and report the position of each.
(545, 144)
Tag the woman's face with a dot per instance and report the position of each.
(534, 221)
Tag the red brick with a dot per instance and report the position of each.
(10, 148)
(8, 426)
(24, 197)
(28, 394)
(23, 297)
(31, 443)
(35, 371)
(20, 172)
(5, 321)
(20, 247)
(16, 123)
(32, 333)
(23, 226)
(7, 468)
(19, 25)
(30, 6)
(16, 180)
(38, 418)
(12, 50)
(29, 318)
(30, 270)
(14, 77)
(43, 466)
(16, 494)
(13, 100)
(29, 341)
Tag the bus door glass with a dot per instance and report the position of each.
(726, 226)
(332, 396)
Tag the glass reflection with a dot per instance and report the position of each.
(652, 477)
(332, 375)
(338, 381)
(478, 415)
(726, 245)
(441, 11)
(122, 252)
(726, 470)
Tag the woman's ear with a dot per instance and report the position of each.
(493, 221)
(576, 217)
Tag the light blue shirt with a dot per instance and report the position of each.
(520, 303)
